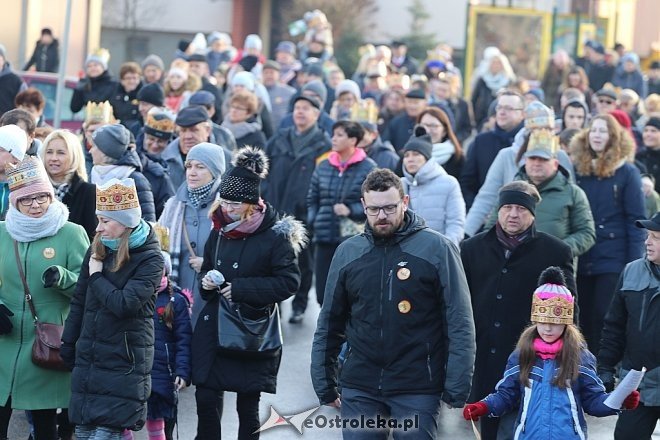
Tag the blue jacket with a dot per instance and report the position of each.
(172, 346)
(547, 411)
(616, 202)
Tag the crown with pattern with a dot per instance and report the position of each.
(538, 115)
(99, 113)
(542, 143)
(552, 302)
(365, 111)
(160, 123)
(116, 197)
(102, 54)
(30, 170)
(163, 236)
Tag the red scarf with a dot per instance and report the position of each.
(547, 351)
(237, 229)
(335, 160)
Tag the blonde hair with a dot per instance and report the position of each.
(73, 146)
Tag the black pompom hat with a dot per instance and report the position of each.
(242, 182)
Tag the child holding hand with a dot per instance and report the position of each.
(551, 375)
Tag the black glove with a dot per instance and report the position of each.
(5, 322)
(608, 380)
(51, 276)
(68, 354)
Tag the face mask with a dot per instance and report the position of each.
(163, 284)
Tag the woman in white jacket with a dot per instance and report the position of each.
(434, 195)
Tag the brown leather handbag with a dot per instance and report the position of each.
(47, 337)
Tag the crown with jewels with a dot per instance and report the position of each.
(543, 139)
(365, 111)
(99, 113)
(26, 172)
(116, 197)
(552, 304)
(160, 120)
(163, 236)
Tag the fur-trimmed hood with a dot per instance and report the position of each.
(621, 149)
(293, 230)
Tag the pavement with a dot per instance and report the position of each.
(295, 395)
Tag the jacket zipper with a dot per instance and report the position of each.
(382, 318)
(643, 312)
(389, 282)
(428, 360)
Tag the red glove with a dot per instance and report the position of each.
(473, 411)
(631, 401)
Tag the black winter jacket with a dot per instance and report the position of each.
(481, 98)
(289, 176)
(81, 201)
(161, 185)
(399, 130)
(403, 305)
(329, 187)
(501, 292)
(10, 85)
(254, 139)
(145, 195)
(383, 154)
(98, 89)
(109, 339)
(45, 58)
(125, 106)
(263, 270)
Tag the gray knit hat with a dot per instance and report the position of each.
(211, 155)
(112, 140)
(153, 60)
(318, 88)
(118, 200)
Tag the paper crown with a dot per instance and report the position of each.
(365, 111)
(117, 195)
(160, 120)
(542, 141)
(552, 304)
(538, 115)
(99, 113)
(27, 172)
(163, 236)
(101, 53)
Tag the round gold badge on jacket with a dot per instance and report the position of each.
(49, 253)
(404, 306)
(403, 273)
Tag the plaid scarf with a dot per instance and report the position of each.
(510, 243)
(198, 195)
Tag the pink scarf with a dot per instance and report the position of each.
(547, 351)
(335, 160)
(240, 228)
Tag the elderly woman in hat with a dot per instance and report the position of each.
(63, 158)
(42, 256)
(254, 250)
(186, 215)
(108, 337)
(98, 85)
(114, 157)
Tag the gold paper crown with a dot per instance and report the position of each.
(163, 235)
(26, 172)
(538, 115)
(543, 139)
(160, 121)
(365, 111)
(555, 310)
(99, 113)
(101, 53)
(116, 197)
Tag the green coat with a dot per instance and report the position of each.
(563, 212)
(29, 386)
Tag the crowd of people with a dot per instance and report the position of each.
(427, 221)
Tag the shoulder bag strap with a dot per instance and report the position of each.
(186, 238)
(26, 289)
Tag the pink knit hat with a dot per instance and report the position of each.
(552, 302)
(27, 178)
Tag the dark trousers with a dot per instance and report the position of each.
(299, 303)
(44, 421)
(323, 253)
(637, 424)
(209, 413)
(422, 409)
(595, 294)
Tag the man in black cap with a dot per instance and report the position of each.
(222, 135)
(194, 128)
(199, 65)
(149, 96)
(401, 127)
(606, 101)
(313, 89)
(293, 154)
(403, 63)
(631, 333)
(378, 150)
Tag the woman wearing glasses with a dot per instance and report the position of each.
(447, 150)
(186, 215)
(37, 238)
(242, 120)
(255, 251)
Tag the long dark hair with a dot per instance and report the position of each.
(446, 123)
(568, 357)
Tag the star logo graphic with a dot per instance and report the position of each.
(296, 420)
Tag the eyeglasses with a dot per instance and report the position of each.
(387, 209)
(506, 108)
(41, 199)
(230, 204)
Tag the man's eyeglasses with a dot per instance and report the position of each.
(387, 209)
(506, 108)
(41, 199)
(230, 204)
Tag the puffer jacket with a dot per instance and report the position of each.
(403, 305)
(109, 339)
(142, 185)
(98, 89)
(546, 411)
(161, 185)
(383, 154)
(436, 197)
(328, 187)
(631, 331)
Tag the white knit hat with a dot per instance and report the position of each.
(14, 140)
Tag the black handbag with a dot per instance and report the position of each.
(248, 332)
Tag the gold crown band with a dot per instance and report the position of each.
(116, 198)
(556, 310)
